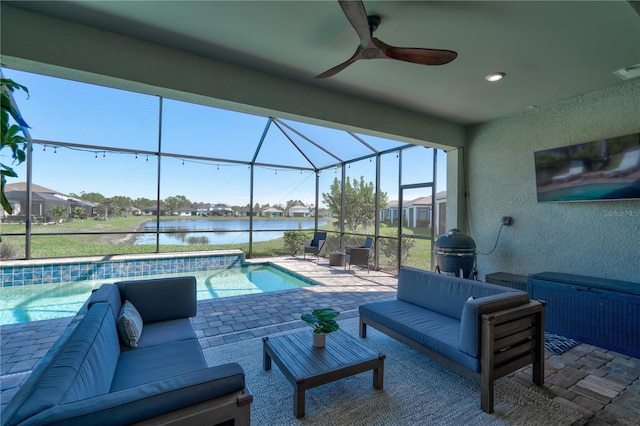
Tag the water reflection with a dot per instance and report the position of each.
(191, 232)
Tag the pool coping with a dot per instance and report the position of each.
(116, 257)
(62, 270)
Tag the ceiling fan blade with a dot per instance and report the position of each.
(338, 68)
(357, 16)
(416, 55)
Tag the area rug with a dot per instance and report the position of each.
(416, 391)
(558, 344)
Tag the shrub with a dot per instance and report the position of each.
(294, 240)
(8, 251)
(197, 240)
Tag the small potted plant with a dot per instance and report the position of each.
(323, 322)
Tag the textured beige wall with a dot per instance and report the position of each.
(592, 238)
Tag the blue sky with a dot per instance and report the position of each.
(65, 111)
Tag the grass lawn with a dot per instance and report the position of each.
(115, 240)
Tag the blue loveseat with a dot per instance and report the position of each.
(91, 377)
(482, 331)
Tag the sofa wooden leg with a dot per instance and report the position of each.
(538, 356)
(486, 396)
(487, 375)
(363, 329)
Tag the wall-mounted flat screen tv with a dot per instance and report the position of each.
(606, 169)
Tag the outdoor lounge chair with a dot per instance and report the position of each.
(359, 255)
(630, 162)
(576, 168)
(316, 244)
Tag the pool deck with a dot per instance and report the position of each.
(603, 385)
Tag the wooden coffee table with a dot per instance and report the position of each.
(307, 367)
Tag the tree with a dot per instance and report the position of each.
(119, 204)
(93, 197)
(173, 204)
(360, 203)
(14, 136)
(143, 202)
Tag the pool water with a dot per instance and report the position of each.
(27, 303)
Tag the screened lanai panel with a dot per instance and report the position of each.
(77, 191)
(417, 165)
(205, 131)
(277, 149)
(389, 185)
(200, 200)
(338, 142)
(67, 111)
(199, 185)
(313, 150)
(102, 179)
(360, 200)
(329, 197)
(278, 190)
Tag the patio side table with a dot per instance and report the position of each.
(337, 258)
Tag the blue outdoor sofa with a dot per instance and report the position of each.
(479, 330)
(92, 376)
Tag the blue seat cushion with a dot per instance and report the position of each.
(107, 293)
(161, 299)
(144, 365)
(134, 404)
(159, 333)
(436, 331)
(441, 293)
(82, 369)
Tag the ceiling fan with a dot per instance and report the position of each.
(373, 48)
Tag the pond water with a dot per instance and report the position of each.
(224, 231)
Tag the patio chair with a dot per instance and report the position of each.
(316, 244)
(630, 162)
(359, 255)
(576, 168)
(367, 244)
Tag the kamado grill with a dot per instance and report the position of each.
(456, 254)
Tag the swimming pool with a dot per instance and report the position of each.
(27, 303)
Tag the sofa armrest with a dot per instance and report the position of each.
(472, 316)
(148, 400)
(161, 299)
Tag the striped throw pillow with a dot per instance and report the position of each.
(129, 324)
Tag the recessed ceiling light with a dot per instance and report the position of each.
(496, 76)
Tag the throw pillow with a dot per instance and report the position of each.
(129, 324)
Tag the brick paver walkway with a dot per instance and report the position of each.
(603, 385)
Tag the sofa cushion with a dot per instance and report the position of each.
(142, 402)
(159, 333)
(431, 329)
(145, 365)
(129, 324)
(107, 293)
(473, 310)
(442, 293)
(83, 368)
(161, 299)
